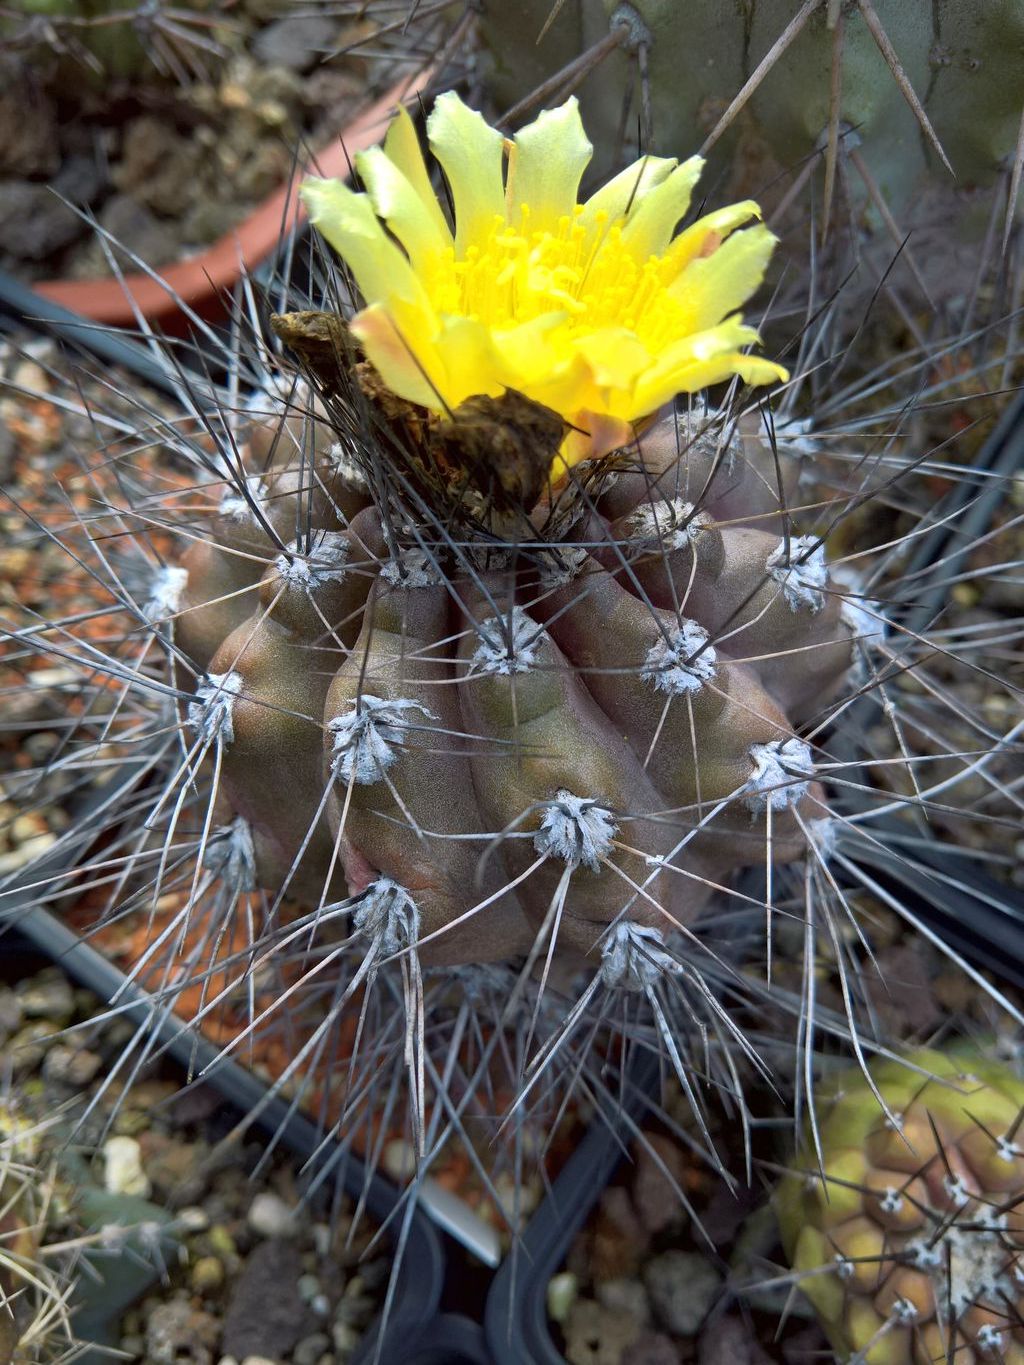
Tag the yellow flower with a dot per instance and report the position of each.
(597, 309)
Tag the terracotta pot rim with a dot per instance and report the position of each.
(211, 273)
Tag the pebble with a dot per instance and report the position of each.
(207, 1274)
(309, 1287)
(33, 221)
(48, 995)
(193, 1219)
(594, 1336)
(10, 1012)
(70, 1065)
(310, 1349)
(729, 1341)
(682, 1286)
(624, 1296)
(296, 43)
(123, 1173)
(653, 1348)
(562, 1292)
(345, 1338)
(659, 1163)
(270, 1216)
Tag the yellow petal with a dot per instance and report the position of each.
(402, 146)
(714, 285)
(625, 191)
(651, 223)
(470, 153)
(397, 202)
(615, 356)
(526, 351)
(348, 222)
(405, 357)
(712, 228)
(568, 387)
(472, 362)
(594, 434)
(701, 359)
(545, 167)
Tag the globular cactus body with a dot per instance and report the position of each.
(908, 1239)
(597, 731)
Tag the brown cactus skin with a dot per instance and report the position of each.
(427, 790)
(887, 1218)
(458, 817)
(285, 654)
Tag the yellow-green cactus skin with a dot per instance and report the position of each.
(908, 1239)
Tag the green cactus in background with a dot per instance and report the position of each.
(891, 98)
(904, 1225)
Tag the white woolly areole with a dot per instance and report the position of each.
(325, 563)
(561, 564)
(862, 614)
(634, 957)
(346, 462)
(235, 507)
(794, 436)
(669, 664)
(411, 569)
(772, 782)
(508, 644)
(165, 593)
(210, 715)
(668, 524)
(389, 916)
(576, 829)
(824, 833)
(366, 740)
(969, 1263)
(232, 856)
(801, 579)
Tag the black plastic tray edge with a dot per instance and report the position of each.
(515, 1318)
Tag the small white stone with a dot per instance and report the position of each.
(270, 1216)
(192, 1219)
(122, 1171)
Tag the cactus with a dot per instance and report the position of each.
(904, 1228)
(439, 751)
(109, 41)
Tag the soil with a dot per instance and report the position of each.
(166, 156)
(202, 1242)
